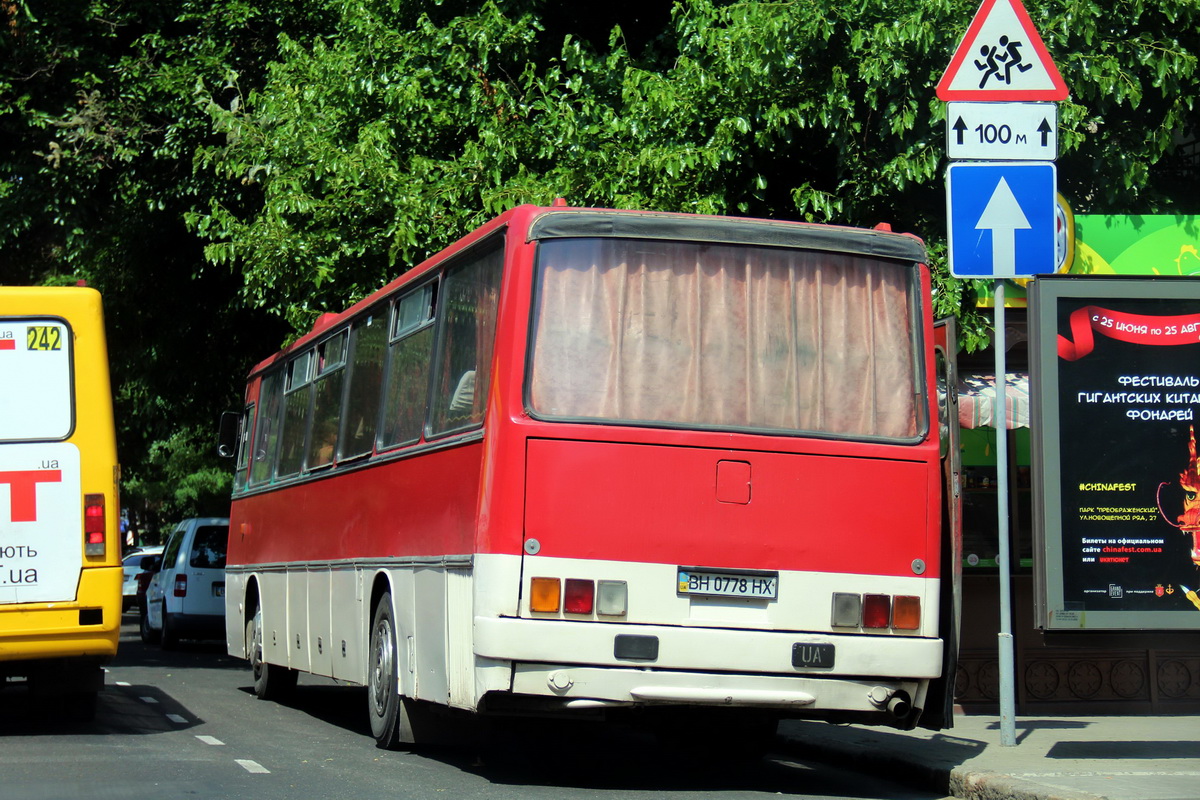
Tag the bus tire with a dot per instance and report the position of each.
(148, 634)
(385, 706)
(169, 638)
(271, 682)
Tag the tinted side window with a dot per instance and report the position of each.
(208, 547)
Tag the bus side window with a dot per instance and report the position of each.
(327, 400)
(297, 412)
(266, 428)
(245, 426)
(466, 334)
(368, 344)
(408, 367)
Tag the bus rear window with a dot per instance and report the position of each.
(35, 371)
(725, 336)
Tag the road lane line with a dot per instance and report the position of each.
(209, 739)
(252, 766)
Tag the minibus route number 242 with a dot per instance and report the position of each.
(607, 463)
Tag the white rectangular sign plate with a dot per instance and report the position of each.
(1002, 131)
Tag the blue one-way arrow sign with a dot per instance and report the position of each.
(1000, 218)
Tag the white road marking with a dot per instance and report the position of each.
(253, 766)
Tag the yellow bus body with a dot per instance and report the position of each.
(57, 642)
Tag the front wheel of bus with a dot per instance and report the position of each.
(271, 682)
(383, 692)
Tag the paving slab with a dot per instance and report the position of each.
(1055, 758)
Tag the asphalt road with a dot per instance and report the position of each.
(185, 724)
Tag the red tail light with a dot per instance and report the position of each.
(181, 585)
(579, 596)
(93, 525)
(877, 611)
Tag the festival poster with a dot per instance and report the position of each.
(1128, 488)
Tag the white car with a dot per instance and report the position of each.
(186, 597)
(131, 565)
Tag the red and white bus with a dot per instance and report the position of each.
(608, 462)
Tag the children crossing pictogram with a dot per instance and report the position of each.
(1001, 57)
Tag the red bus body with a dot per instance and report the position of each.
(602, 452)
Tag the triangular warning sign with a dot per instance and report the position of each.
(1001, 57)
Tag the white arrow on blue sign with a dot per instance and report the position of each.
(1000, 218)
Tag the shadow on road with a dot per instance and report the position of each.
(130, 710)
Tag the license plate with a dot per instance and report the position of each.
(812, 655)
(758, 585)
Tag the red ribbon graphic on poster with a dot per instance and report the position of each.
(1124, 327)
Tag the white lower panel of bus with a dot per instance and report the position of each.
(711, 649)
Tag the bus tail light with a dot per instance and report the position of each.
(877, 611)
(93, 525)
(612, 598)
(543, 595)
(181, 585)
(847, 610)
(579, 597)
(906, 612)
(901, 613)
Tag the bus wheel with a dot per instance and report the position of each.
(149, 635)
(170, 639)
(271, 682)
(383, 692)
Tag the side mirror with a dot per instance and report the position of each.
(150, 563)
(227, 436)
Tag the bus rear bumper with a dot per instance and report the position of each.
(581, 664)
(581, 688)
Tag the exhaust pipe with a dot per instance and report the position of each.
(895, 703)
(899, 706)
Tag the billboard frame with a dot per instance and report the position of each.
(1053, 567)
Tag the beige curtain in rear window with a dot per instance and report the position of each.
(724, 336)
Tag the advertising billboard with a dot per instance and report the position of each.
(1116, 385)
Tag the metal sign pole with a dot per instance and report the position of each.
(1008, 737)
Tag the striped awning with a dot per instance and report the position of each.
(977, 400)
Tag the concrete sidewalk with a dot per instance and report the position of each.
(1055, 758)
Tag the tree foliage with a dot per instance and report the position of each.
(226, 171)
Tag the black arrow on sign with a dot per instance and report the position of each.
(1044, 129)
(961, 127)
